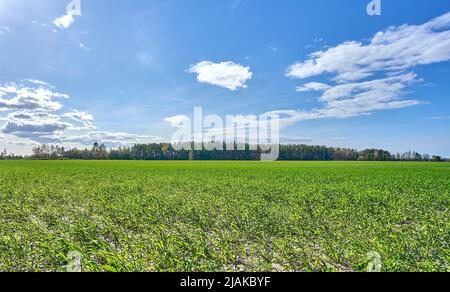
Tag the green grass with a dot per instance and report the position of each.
(224, 216)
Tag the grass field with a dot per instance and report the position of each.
(224, 216)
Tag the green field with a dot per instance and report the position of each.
(224, 216)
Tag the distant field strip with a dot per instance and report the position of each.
(224, 216)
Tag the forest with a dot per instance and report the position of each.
(165, 151)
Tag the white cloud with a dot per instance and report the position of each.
(64, 21)
(226, 74)
(393, 50)
(34, 125)
(313, 86)
(375, 90)
(390, 56)
(73, 9)
(50, 129)
(39, 82)
(33, 116)
(112, 139)
(83, 117)
(44, 127)
(356, 99)
(20, 97)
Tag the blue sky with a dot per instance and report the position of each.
(122, 69)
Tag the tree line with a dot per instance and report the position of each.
(4, 155)
(166, 151)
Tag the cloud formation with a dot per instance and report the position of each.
(85, 118)
(34, 114)
(356, 99)
(371, 76)
(64, 21)
(112, 139)
(395, 49)
(226, 74)
(20, 97)
(313, 86)
(73, 9)
(34, 125)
